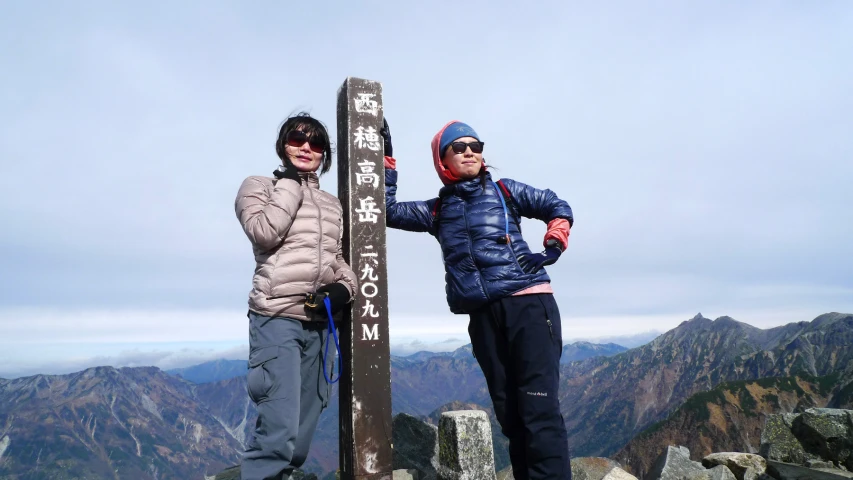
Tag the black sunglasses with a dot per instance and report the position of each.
(460, 147)
(297, 138)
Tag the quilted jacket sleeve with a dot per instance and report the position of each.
(266, 212)
(410, 216)
(343, 272)
(543, 205)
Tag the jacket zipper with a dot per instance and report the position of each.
(471, 250)
(275, 260)
(548, 321)
(509, 242)
(320, 242)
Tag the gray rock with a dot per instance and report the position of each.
(415, 446)
(401, 474)
(618, 474)
(675, 464)
(828, 433)
(231, 473)
(804, 404)
(745, 466)
(721, 472)
(778, 441)
(819, 464)
(789, 471)
(300, 475)
(506, 474)
(592, 468)
(465, 446)
(587, 468)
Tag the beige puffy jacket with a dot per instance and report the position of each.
(296, 236)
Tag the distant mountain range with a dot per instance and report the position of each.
(578, 351)
(217, 370)
(629, 341)
(213, 371)
(144, 423)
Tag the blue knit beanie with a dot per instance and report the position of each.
(455, 131)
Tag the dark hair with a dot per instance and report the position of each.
(483, 180)
(482, 174)
(313, 128)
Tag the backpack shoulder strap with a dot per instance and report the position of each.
(436, 209)
(510, 202)
(504, 190)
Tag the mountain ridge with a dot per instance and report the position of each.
(140, 421)
(103, 419)
(629, 391)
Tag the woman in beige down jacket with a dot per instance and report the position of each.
(295, 230)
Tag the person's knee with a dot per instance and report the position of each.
(512, 425)
(298, 459)
(278, 420)
(542, 417)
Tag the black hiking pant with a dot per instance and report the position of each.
(518, 343)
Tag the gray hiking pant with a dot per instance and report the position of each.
(286, 382)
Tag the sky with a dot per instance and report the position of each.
(704, 147)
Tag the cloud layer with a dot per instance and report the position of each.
(704, 148)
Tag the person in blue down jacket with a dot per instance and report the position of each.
(494, 278)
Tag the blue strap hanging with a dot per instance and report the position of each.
(334, 333)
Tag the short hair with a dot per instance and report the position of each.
(313, 128)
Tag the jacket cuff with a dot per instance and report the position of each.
(349, 289)
(390, 177)
(559, 230)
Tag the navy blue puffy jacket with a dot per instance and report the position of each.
(478, 269)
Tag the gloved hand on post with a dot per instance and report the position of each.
(385, 131)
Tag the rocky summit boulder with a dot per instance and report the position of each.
(778, 441)
(597, 468)
(415, 446)
(675, 464)
(720, 472)
(788, 471)
(618, 474)
(744, 466)
(587, 468)
(819, 438)
(465, 446)
(828, 432)
(404, 475)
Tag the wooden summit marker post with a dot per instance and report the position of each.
(365, 389)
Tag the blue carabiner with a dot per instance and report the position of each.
(334, 333)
